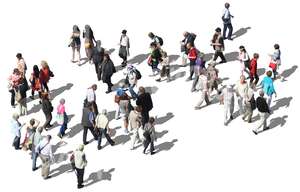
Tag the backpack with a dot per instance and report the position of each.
(138, 74)
(160, 40)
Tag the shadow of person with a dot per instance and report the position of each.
(110, 51)
(55, 92)
(288, 72)
(161, 134)
(208, 56)
(98, 176)
(60, 170)
(113, 132)
(85, 60)
(261, 71)
(173, 58)
(275, 122)
(58, 145)
(138, 59)
(283, 102)
(166, 146)
(111, 115)
(162, 120)
(178, 75)
(232, 56)
(74, 130)
(151, 90)
(122, 139)
(174, 68)
(60, 157)
(240, 32)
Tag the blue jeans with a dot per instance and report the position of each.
(63, 129)
(34, 157)
(132, 92)
(227, 26)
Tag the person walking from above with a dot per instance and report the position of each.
(192, 56)
(124, 47)
(244, 60)
(75, 43)
(80, 164)
(47, 110)
(227, 98)
(268, 87)
(263, 111)
(241, 89)
(30, 129)
(275, 60)
(253, 69)
(89, 40)
(102, 128)
(135, 121)
(13, 82)
(156, 39)
(62, 118)
(165, 71)
(188, 38)
(35, 82)
(125, 108)
(16, 131)
(149, 136)
(131, 78)
(98, 56)
(88, 122)
(250, 104)
(226, 18)
(91, 97)
(154, 58)
(218, 44)
(21, 96)
(144, 100)
(203, 87)
(108, 69)
(199, 66)
(21, 65)
(35, 139)
(212, 77)
(44, 149)
(45, 74)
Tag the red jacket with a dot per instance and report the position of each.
(253, 66)
(44, 75)
(192, 54)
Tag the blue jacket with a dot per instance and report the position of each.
(268, 86)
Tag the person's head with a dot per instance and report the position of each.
(130, 67)
(106, 56)
(269, 73)
(19, 56)
(276, 46)
(49, 137)
(151, 35)
(242, 79)
(255, 55)
(45, 95)
(36, 70)
(261, 93)
(44, 64)
(151, 120)
(202, 72)
(153, 45)
(218, 30)
(32, 122)
(104, 112)
(141, 90)
(40, 129)
(189, 45)
(81, 147)
(98, 43)
(164, 54)
(227, 5)
(242, 48)
(94, 87)
(62, 101)
(16, 71)
(15, 116)
(124, 32)
(76, 29)
(185, 34)
(87, 27)
(138, 108)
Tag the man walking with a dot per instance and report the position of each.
(35, 138)
(102, 127)
(80, 164)
(226, 17)
(263, 110)
(145, 101)
(44, 149)
(135, 121)
(87, 122)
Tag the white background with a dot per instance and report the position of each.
(207, 156)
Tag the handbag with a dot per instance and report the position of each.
(60, 119)
(87, 45)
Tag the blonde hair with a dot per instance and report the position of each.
(44, 64)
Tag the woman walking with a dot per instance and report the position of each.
(108, 69)
(35, 82)
(89, 41)
(75, 43)
(62, 118)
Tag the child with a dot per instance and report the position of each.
(165, 71)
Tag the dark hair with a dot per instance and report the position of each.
(151, 120)
(36, 71)
(255, 55)
(124, 31)
(76, 29)
(218, 30)
(153, 44)
(32, 122)
(227, 5)
(151, 35)
(16, 70)
(269, 73)
(19, 55)
(276, 46)
(107, 56)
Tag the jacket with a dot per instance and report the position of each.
(85, 121)
(108, 69)
(253, 67)
(101, 121)
(47, 106)
(44, 75)
(80, 159)
(268, 86)
(145, 101)
(151, 130)
(262, 105)
(97, 56)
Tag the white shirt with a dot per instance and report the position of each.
(90, 95)
(228, 95)
(242, 89)
(226, 14)
(46, 148)
(124, 41)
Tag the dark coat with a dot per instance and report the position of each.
(85, 122)
(145, 101)
(262, 105)
(47, 106)
(108, 69)
(98, 55)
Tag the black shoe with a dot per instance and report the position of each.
(144, 151)
(99, 147)
(152, 153)
(254, 132)
(80, 186)
(48, 177)
(108, 91)
(223, 61)
(85, 143)
(231, 117)
(230, 39)
(112, 144)
(31, 97)
(34, 169)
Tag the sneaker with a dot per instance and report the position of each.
(80, 186)
(188, 79)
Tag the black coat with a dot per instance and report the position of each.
(23, 88)
(262, 105)
(47, 106)
(98, 55)
(108, 69)
(145, 101)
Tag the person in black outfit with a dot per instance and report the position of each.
(218, 45)
(145, 101)
(108, 69)
(98, 55)
(22, 89)
(87, 121)
(47, 109)
(264, 110)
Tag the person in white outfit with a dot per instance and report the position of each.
(102, 127)
(227, 98)
(203, 87)
(80, 164)
(135, 121)
(241, 93)
(44, 149)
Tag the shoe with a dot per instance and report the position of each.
(158, 80)
(108, 91)
(188, 79)
(254, 132)
(48, 177)
(99, 147)
(85, 143)
(112, 144)
(231, 117)
(59, 135)
(31, 97)
(34, 169)
(243, 118)
(193, 90)
(224, 61)
(80, 186)
(152, 153)
(250, 121)
(230, 39)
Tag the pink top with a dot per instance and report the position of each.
(61, 109)
(14, 80)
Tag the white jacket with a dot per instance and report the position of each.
(101, 121)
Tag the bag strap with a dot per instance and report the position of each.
(44, 147)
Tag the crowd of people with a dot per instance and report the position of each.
(132, 106)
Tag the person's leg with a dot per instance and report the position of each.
(206, 98)
(183, 58)
(108, 138)
(191, 71)
(73, 54)
(240, 102)
(195, 82)
(225, 26)
(12, 99)
(261, 122)
(256, 79)
(34, 158)
(93, 132)
(134, 138)
(202, 98)
(100, 138)
(251, 79)
(46, 167)
(269, 100)
(17, 141)
(134, 95)
(216, 55)
(151, 147)
(78, 54)
(222, 57)
(146, 144)
(85, 129)
(47, 121)
(230, 31)
(97, 70)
